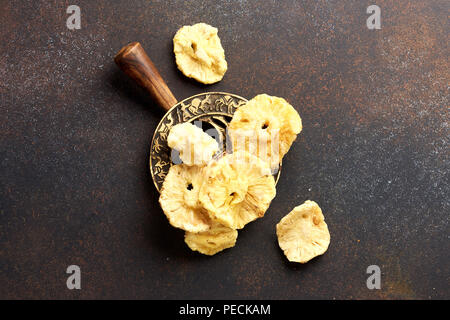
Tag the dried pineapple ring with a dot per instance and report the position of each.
(265, 126)
(303, 233)
(199, 53)
(195, 146)
(212, 241)
(179, 198)
(238, 189)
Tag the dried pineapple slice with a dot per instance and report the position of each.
(179, 198)
(199, 53)
(238, 189)
(265, 126)
(303, 233)
(210, 242)
(195, 146)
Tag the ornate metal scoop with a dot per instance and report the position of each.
(215, 109)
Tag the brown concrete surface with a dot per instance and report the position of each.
(374, 152)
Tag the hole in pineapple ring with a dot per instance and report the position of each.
(190, 186)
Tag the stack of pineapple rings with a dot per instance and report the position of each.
(210, 198)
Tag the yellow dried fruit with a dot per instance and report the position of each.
(199, 53)
(265, 126)
(210, 242)
(179, 198)
(303, 233)
(237, 189)
(195, 146)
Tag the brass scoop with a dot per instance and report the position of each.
(213, 108)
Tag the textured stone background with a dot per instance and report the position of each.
(374, 151)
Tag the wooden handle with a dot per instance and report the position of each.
(133, 60)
